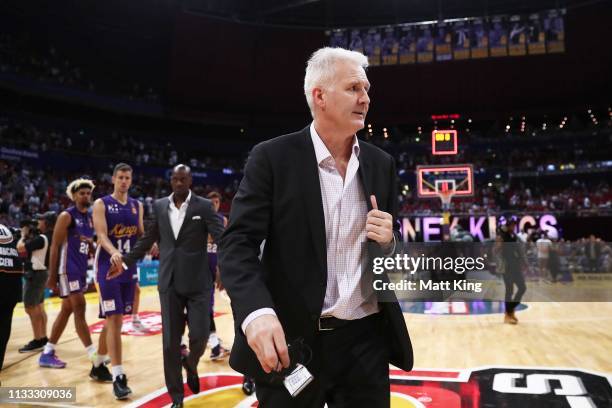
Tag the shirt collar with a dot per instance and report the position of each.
(171, 196)
(321, 151)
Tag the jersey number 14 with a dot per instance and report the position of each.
(123, 246)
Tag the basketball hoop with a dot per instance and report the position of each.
(445, 197)
(445, 191)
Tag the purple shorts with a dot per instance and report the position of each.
(70, 283)
(116, 297)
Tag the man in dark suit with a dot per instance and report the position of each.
(180, 226)
(324, 202)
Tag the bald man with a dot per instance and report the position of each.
(181, 224)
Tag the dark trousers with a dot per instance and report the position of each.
(6, 318)
(514, 276)
(350, 366)
(173, 307)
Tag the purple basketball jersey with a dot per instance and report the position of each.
(122, 229)
(75, 251)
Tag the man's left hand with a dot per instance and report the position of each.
(379, 225)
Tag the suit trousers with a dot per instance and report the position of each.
(173, 305)
(513, 276)
(350, 366)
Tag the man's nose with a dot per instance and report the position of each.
(364, 99)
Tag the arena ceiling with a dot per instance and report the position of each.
(359, 13)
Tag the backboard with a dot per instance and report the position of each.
(432, 180)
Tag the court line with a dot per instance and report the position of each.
(163, 390)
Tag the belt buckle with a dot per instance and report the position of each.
(321, 328)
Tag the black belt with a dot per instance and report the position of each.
(327, 323)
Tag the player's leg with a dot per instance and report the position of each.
(48, 357)
(113, 338)
(112, 308)
(123, 305)
(78, 302)
(136, 323)
(217, 351)
(45, 319)
(99, 371)
(103, 346)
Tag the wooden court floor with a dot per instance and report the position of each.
(567, 335)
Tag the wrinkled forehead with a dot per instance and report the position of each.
(348, 71)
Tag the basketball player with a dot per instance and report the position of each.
(217, 351)
(70, 247)
(118, 221)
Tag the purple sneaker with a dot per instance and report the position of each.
(50, 360)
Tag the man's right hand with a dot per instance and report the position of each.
(116, 268)
(116, 259)
(266, 337)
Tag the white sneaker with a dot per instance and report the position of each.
(139, 326)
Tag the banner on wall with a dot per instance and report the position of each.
(461, 40)
(457, 39)
(443, 42)
(390, 46)
(425, 43)
(479, 39)
(407, 45)
(554, 30)
(498, 37)
(517, 37)
(536, 37)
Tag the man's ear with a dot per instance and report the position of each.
(318, 97)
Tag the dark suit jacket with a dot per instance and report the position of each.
(183, 262)
(279, 199)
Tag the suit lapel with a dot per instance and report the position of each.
(365, 175)
(311, 190)
(165, 217)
